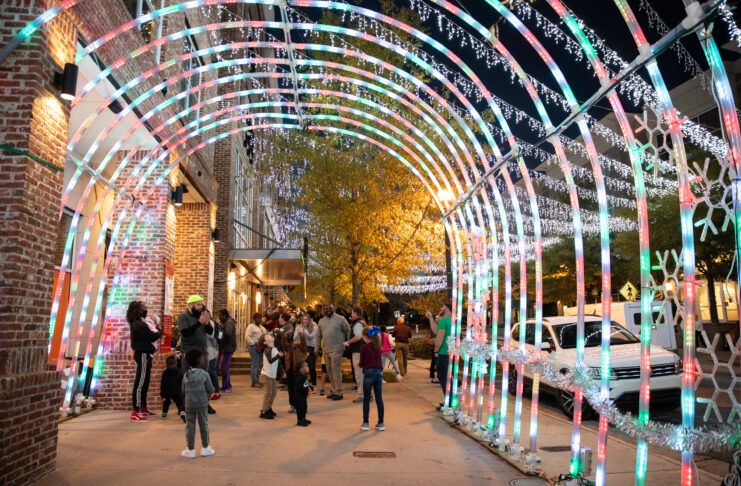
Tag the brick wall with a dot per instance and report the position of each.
(193, 253)
(223, 171)
(141, 276)
(35, 120)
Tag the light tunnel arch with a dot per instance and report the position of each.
(298, 2)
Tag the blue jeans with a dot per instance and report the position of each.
(213, 375)
(256, 362)
(372, 380)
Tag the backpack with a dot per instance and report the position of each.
(260, 347)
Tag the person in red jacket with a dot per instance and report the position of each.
(142, 342)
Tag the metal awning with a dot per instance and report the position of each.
(271, 266)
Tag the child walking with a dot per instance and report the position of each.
(370, 362)
(301, 386)
(197, 387)
(270, 369)
(387, 352)
(171, 388)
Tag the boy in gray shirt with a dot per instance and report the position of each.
(197, 388)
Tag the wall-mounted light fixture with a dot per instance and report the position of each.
(66, 81)
(215, 235)
(258, 297)
(177, 196)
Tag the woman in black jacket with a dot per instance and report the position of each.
(142, 339)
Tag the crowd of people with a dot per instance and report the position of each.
(284, 348)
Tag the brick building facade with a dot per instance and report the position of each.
(90, 333)
(34, 120)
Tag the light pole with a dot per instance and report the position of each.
(447, 197)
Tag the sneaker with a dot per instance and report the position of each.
(215, 396)
(365, 427)
(211, 410)
(321, 392)
(228, 390)
(182, 416)
(383, 381)
(399, 377)
(303, 423)
(336, 397)
(292, 409)
(189, 453)
(265, 415)
(358, 400)
(271, 412)
(207, 451)
(164, 415)
(143, 412)
(135, 417)
(380, 427)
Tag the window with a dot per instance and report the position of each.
(566, 335)
(151, 30)
(62, 233)
(189, 45)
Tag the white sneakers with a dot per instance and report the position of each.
(365, 427)
(399, 377)
(191, 453)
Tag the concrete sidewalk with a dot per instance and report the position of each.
(104, 447)
(554, 433)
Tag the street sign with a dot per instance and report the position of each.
(629, 291)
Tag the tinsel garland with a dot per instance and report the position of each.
(580, 376)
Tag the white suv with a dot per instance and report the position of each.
(559, 345)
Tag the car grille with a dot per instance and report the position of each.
(635, 372)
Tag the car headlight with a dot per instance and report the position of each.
(678, 367)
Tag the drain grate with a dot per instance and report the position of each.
(563, 448)
(374, 454)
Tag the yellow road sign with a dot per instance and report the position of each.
(629, 291)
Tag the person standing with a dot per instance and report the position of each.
(442, 329)
(309, 329)
(370, 361)
(355, 343)
(142, 342)
(402, 334)
(196, 387)
(228, 346)
(212, 350)
(332, 333)
(194, 325)
(255, 330)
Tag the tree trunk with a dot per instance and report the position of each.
(355, 272)
(711, 298)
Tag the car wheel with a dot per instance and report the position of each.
(566, 402)
(512, 380)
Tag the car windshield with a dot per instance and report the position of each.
(566, 335)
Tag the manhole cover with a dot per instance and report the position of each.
(374, 454)
(527, 482)
(563, 448)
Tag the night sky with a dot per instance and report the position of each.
(602, 16)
